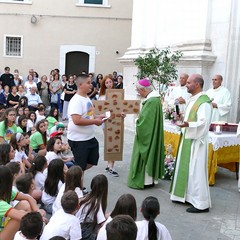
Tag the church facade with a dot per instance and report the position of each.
(74, 36)
(206, 31)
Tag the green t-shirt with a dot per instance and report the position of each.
(51, 122)
(4, 209)
(19, 130)
(7, 133)
(36, 140)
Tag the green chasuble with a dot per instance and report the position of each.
(148, 149)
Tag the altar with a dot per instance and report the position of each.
(223, 151)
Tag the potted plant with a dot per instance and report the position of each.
(159, 66)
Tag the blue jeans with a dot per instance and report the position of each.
(58, 105)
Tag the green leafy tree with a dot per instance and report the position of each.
(158, 66)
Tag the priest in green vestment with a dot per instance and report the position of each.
(147, 163)
(190, 181)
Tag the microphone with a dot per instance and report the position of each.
(176, 103)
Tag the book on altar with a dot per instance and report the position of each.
(225, 127)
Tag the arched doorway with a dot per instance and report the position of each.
(76, 58)
(76, 62)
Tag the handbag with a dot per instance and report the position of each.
(54, 98)
(89, 230)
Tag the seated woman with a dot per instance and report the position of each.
(13, 98)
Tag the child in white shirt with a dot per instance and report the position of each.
(125, 205)
(30, 227)
(39, 164)
(53, 183)
(148, 228)
(63, 223)
(73, 182)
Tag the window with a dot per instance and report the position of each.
(93, 3)
(13, 46)
(16, 1)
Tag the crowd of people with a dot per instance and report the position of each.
(43, 178)
(38, 177)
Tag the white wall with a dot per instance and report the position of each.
(65, 23)
(207, 31)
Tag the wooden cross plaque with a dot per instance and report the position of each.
(114, 126)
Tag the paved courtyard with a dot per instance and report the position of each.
(222, 222)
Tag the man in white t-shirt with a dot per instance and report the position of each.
(80, 134)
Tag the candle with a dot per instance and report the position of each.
(218, 130)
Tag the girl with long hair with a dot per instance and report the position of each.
(7, 125)
(53, 183)
(18, 142)
(22, 124)
(31, 122)
(126, 204)
(73, 181)
(16, 172)
(23, 102)
(26, 111)
(93, 207)
(149, 229)
(99, 80)
(54, 149)
(19, 113)
(108, 83)
(39, 164)
(27, 148)
(7, 153)
(119, 84)
(52, 118)
(38, 140)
